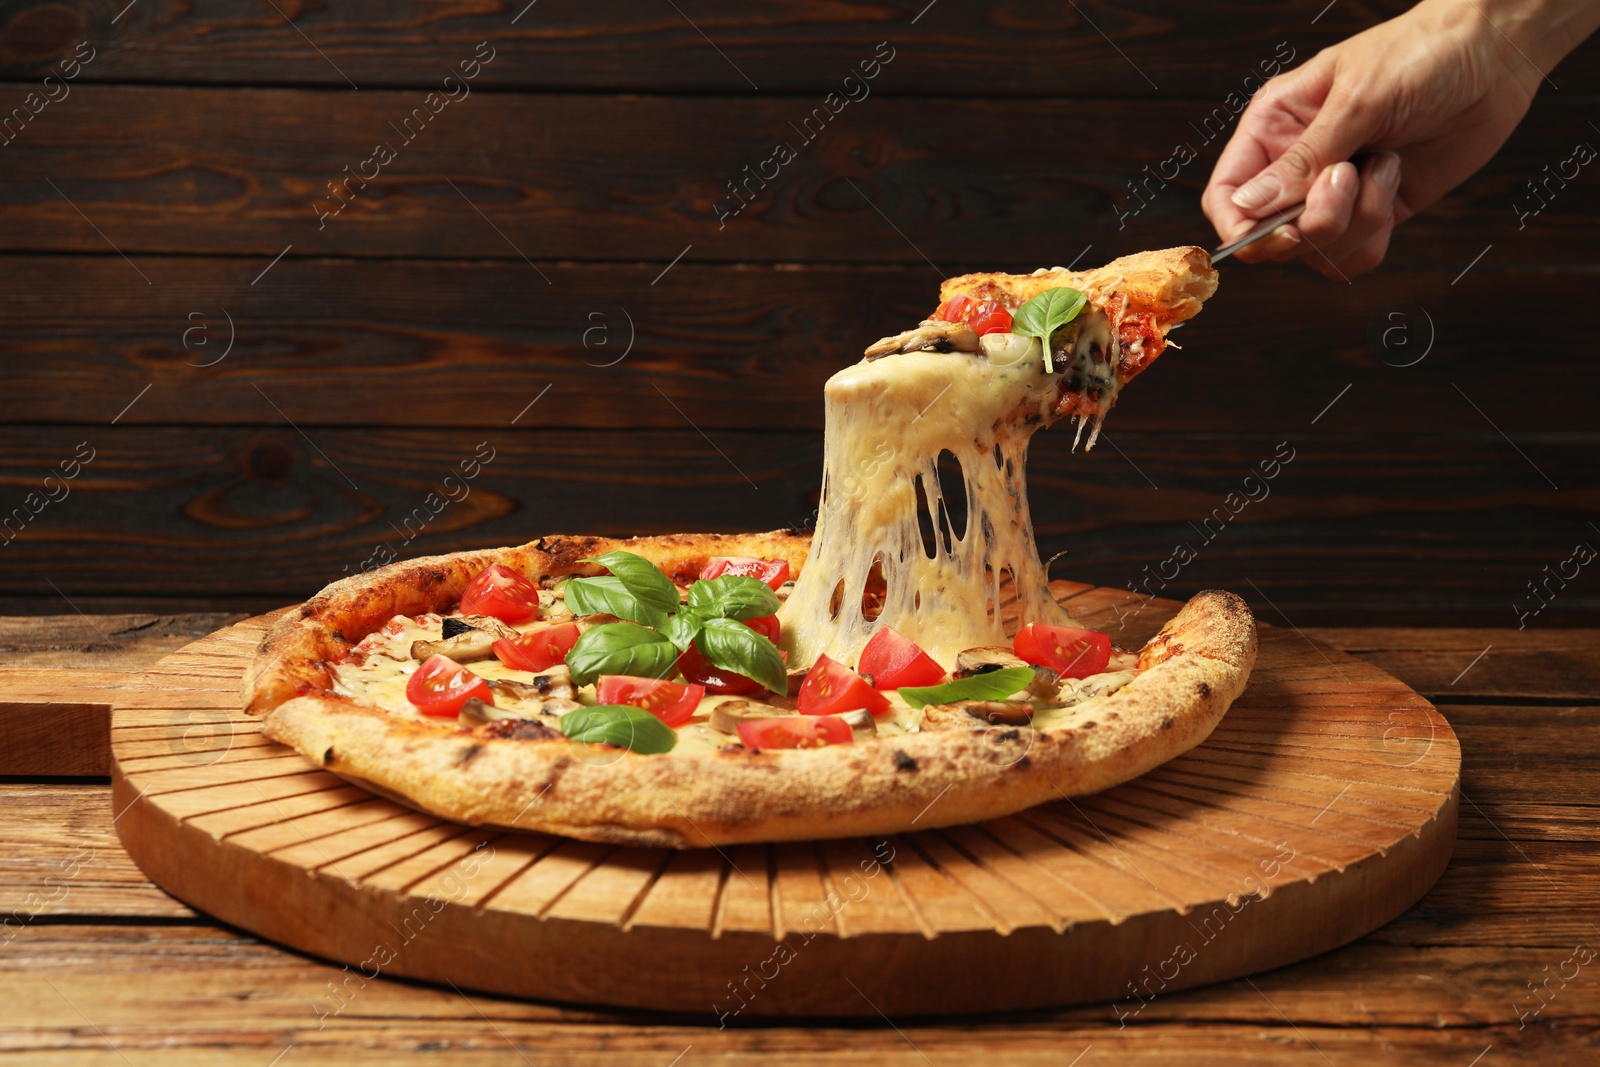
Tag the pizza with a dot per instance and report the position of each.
(903, 666)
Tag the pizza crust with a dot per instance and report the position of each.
(1172, 282)
(1197, 665)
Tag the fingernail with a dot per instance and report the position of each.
(1282, 239)
(1344, 178)
(1258, 192)
(1386, 171)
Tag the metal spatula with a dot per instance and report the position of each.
(1286, 215)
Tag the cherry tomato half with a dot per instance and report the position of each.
(772, 571)
(794, 731)
(990, 318)
(894, 660)
(441, 685)
(956, 309)
(1067, 650)
(670, 702)
(501, 592)
(766, 626)
(831, 688)
(538, 650)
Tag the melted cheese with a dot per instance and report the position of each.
(887, 422)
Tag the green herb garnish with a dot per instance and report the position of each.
(643, 578)
(659, 628)
(735, 647)
(1046, 313)
(733, 596)
(611, 596)
(620, 725)
(621, 648)
(993, 685)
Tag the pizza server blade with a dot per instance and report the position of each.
(1288, 214)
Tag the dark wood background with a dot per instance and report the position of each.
(537, 218)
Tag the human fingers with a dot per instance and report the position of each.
(1371, 252)
(1242, 158)
(1329, 205)
(1280, 246)
(1337, 131)
(1366, 237)
(1330, 202)
(1275, 118)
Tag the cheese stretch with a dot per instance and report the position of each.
(887, 421)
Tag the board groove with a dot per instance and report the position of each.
(1317, 809)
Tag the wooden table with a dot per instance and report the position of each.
(1498, 964)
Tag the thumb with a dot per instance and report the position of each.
(1335, 135)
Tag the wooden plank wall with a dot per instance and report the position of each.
(271, 379)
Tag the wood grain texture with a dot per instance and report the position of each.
(1461, 664)
(55, 722)
(103, 642)
(425, 343)
(63, 859)
(1493, 922)
(785, 47)
(243, 1002)
(589, 177)
(1353, 526)
(1514, 858)
(1253, 876)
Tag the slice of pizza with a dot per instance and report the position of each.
(1128, 307)
(896, 669)
(972, 384)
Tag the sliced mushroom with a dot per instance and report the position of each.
(488, 624)
(547, 688)
(933, 335)
(555, 682)
(517, 697)
(984, 659)
(1001, 712)
(961, 713)
(726, 716)
(463, 648)
(1046, 684)
(862, 724)
(476, 713)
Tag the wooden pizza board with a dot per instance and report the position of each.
(1322, 807)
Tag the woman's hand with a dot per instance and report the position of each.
(1434, 93)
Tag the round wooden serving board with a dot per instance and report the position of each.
(1322, 807)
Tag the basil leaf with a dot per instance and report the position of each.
(1045, 314)
(620, 725)
(642, 578)
(733, 596)
(681, 628)
(620, 648)
(735, 647)
(995, 685)
(610, 596)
